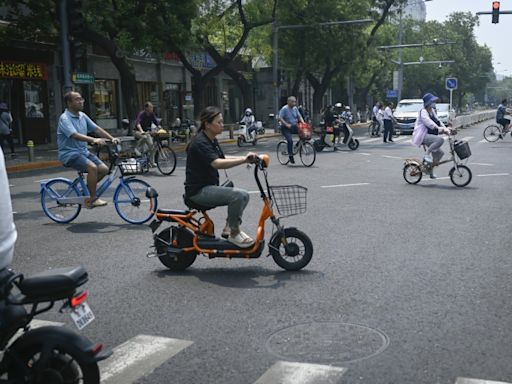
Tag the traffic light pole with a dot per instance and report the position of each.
(66, 62)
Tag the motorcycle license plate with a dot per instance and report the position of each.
(82, 315)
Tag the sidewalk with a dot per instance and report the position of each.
(46, 156)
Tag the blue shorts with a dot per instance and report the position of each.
(80, 161)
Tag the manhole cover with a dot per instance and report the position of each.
(327, 342)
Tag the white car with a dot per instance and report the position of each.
(406, 113)
(444, 113)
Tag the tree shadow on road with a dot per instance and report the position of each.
(245, 277)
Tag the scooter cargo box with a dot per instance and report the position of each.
(462, 149)
(55, 284)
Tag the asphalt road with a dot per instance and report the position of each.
(408, 283)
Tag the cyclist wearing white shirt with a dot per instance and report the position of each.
(388, 123)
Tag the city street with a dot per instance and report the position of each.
(408, 283)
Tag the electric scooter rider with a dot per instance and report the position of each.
(204, 159)
(338, 108)
(331, 124)
(250, 123)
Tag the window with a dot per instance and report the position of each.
(148, 92)
(105, 99)
(33, 99)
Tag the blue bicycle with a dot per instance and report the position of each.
(62, 199)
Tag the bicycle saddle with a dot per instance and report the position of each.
(189, 203)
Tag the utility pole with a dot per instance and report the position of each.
(66, 62)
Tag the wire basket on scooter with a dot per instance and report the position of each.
(289, 199)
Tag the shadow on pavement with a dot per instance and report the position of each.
(245, 277)
(101, 227)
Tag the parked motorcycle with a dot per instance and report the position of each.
(49, 354)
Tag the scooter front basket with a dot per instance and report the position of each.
(289, 199)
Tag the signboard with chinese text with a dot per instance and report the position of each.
(82, 78)
(16, 70)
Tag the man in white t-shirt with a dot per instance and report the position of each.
(388, 123)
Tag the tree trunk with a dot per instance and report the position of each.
(128, 83)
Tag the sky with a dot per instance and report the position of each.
(495, 36)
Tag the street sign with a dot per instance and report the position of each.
(82, 78)
(451, 83)
(391, 93)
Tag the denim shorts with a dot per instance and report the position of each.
(80, 161)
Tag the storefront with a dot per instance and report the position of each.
(24, 87)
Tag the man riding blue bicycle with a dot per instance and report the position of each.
(289, 117)
(72, 138)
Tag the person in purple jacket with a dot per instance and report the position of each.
(426, 132)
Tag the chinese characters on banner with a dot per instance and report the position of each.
(23, 70)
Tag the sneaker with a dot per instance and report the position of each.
(428, 159)
(292, 160)
(433, 175)
(96, 203)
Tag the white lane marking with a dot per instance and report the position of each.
(139, 356)
(344, 185)
(483, 141)
(254, 192)
(465, 380)
(11, 185)
(284, 372)
(467, 138)
(364, 154)
(393, 157)
(494, 174)
(42, 181)
(483, 164)
(401, 138)
(370, 140)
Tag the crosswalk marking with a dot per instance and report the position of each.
(468, 138)
(402, 138)
(494, 174)
(371, 140)
(284, 372)
(139, 356)
(343, 185)
(392, 157)
(464, 380)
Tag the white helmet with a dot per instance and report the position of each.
(248, 112)
(338, 105)
(347, 107)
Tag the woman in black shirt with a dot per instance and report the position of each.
(204, 159)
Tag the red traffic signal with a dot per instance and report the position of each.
(495, 12)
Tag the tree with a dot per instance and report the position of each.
(118, 27)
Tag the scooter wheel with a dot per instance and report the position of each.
(240, 141)
(353, 144)
(296, 253)
(175, 261)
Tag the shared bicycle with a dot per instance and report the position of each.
(494, 132)
(62, 199)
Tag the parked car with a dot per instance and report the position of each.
(444, 113)
(406, 113)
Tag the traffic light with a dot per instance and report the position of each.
(75, 17)
(495, 12)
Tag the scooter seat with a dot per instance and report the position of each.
(189, 203)
(55, 283)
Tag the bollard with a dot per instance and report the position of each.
(30, 147)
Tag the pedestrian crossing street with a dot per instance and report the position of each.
(139, 356)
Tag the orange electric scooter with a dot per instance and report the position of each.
(192, 231)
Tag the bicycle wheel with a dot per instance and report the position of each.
(371, 128)
(59, 212)
(412, 173)
(131, 202)
(307, 154)
(460, 175)
(492, 133)
(282, 152)
(165, 160)
(296, 253)
(353, 144)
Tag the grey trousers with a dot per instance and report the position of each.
(145, 144)
(434, 144)
(235, 198)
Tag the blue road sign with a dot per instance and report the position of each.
(391, 94)
(451, 83)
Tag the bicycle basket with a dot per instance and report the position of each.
(462, 149)
(289, 199)
(131, 167)
(304, 131)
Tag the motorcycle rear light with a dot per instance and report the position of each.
(96, 349)
(77, 300)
